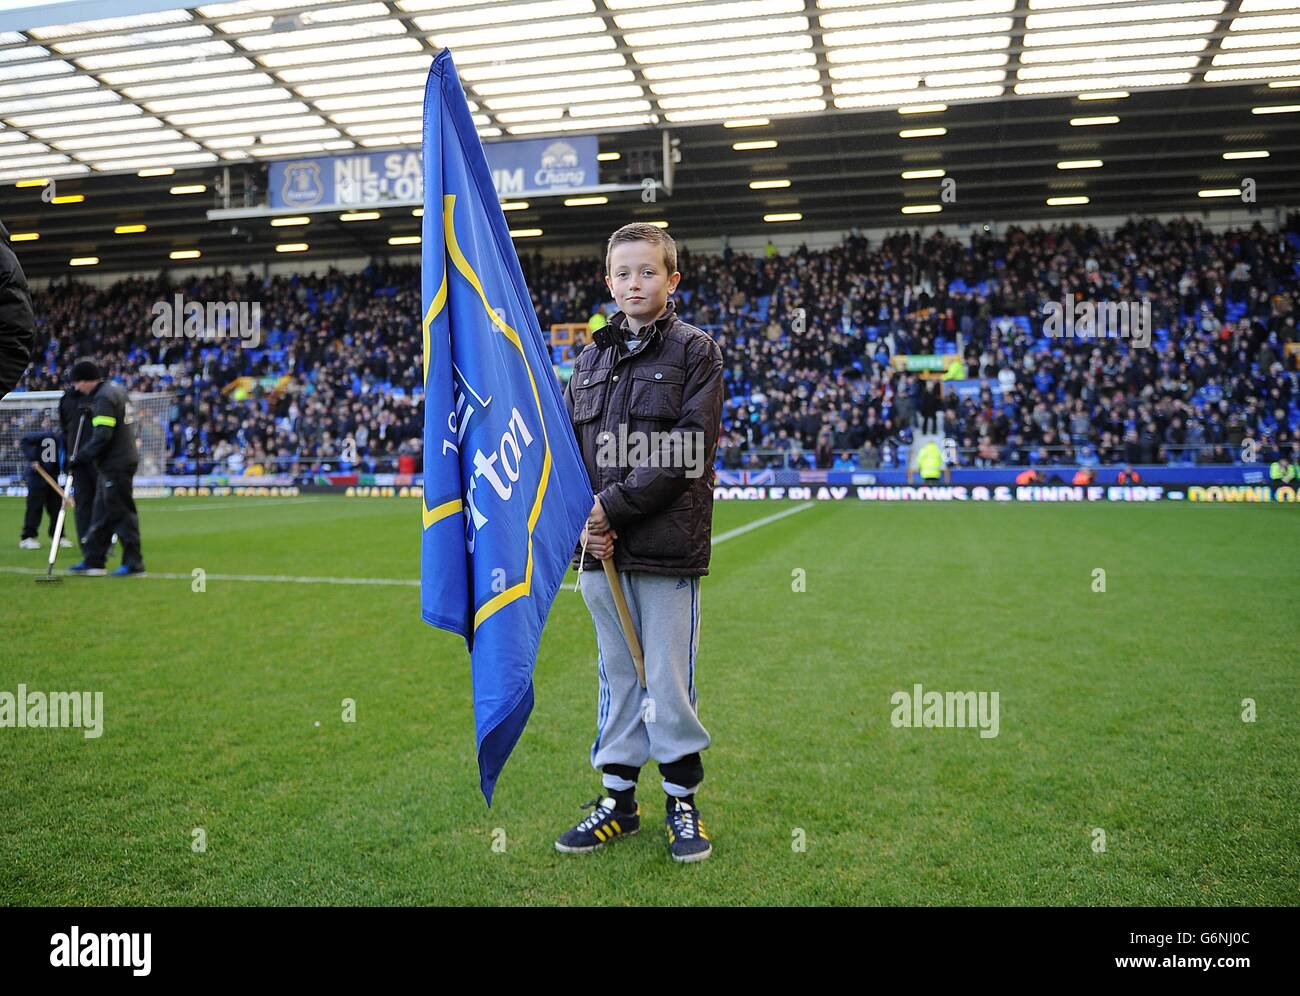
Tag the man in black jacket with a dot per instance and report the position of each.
(17, 323)
(40, 449)
(75, 417)
(113, 451)
(645, 399)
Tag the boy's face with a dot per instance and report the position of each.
(639, 281)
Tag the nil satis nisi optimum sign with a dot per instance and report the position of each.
(369, 179)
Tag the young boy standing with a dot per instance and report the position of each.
(645, 399)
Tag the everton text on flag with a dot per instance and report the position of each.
(505, 491)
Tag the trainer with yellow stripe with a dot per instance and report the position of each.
(603, 825)
(111, 448)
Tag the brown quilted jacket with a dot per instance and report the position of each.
(669, 391)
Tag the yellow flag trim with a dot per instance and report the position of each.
(432, 515)
(463, 267)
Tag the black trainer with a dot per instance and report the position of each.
(598, 829)
(687, 839)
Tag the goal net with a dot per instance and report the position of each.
(23, 412)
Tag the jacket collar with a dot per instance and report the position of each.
(618, 330)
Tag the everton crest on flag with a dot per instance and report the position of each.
(505, 490)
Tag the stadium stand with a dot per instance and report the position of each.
(813, 343)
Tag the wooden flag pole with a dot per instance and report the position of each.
(633, 644)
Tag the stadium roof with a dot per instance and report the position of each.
(238, 84)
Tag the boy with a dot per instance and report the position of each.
(645, 400)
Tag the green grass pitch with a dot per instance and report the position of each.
(1119, 711)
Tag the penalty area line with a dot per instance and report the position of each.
(741, 530)
(386, 582)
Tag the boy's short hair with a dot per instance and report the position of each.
(639, 231)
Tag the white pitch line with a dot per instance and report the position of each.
(385, 582)
(281, 578)
(741, 530)
(748, 526)
(241, 505)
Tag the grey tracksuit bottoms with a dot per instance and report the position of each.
(635, 724)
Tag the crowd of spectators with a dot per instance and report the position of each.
(336, 375)
(809, 340)
(816, 377)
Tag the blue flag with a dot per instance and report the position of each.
(505, 490)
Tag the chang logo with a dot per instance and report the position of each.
(302, 185)
(559, 155)
(560, 167)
